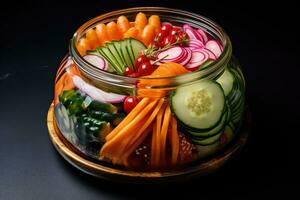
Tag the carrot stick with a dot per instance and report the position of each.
(153, 146)
(128, 118)
(117, 143)
(136, 141)
(135, 145)
(157, 131)
(174, 141)
(164, 131)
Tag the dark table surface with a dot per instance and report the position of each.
(34, 38)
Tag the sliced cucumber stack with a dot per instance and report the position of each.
(120, 54)
(227, 82)
(200, 105)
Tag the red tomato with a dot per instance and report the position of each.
(129, 103)
(140, 60)
(169, 40)
(145, 69)
(166, 29)
(128, 71)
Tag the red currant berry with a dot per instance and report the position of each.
(145, 69)
(140, 60)
(128, 71)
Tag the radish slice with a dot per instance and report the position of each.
(198, 57)
(214, 47)
(97, 61)
(194, 43)
(171, 54)
(187, 57)
(192, 33)
(211, 55)
(203, 34)
(96, 93)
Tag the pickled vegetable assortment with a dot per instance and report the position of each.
(155, 129)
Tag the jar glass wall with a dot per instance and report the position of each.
(178, 120)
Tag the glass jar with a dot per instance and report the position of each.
(85, 118)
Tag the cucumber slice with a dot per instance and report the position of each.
(212, 131)
(200, 105)
(207, 141)
(136, 47)
(204, 151)
(130, 51)
(116, 54)
(125, 53)
(103, 51)
(118, 47)
(228, 134)
(226, 80)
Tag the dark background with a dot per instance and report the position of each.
(34, 38)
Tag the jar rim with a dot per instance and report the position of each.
(216, 66)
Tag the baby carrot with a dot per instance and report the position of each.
(131, 33)
(140, 21)
(154, 20)
(148, 34)
(123, 24)
(102, 33)
(83, 46)
(113, 31)
(92, 38)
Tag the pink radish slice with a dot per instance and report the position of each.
(198, 57)
(214, 47)
(192, 33)
(171, 54)
(203, 34)
(194, 43)
(96, 93)
(211, 55)
(187, 58)
(97, 61)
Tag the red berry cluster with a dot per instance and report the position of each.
(169, 35)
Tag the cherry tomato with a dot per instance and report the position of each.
(166, 29)
(140, 60)
(169, 40)
(128, 71)
(145, 69)
(129, 103)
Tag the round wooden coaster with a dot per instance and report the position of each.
(87, 165)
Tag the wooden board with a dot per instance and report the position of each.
(84, 163)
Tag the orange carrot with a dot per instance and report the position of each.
(113, 31)
(154, 20)
(123, 24)
(148, 34)
(132, 24)
(164, 131)
(83, 46)
(133, 144)
(157, 157)
(153, 146)
(136, 144)
(124, 135)
(140, 21)
(163, 71)
(92, 38)
(131, 33)
(101, 32)
(174, 140)
(137, 109)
